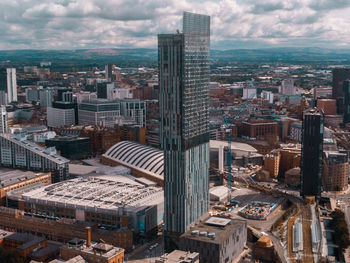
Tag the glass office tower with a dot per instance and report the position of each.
(183, 60)
(311, 153)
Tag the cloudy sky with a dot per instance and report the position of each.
(71, 24)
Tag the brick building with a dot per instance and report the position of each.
(335, 171)
(290, 157)
(102, 138)
(271, 163)
(61, 230)
(259, 128)
(16, 179)
(92, 252)
(329, 106)
(23, 243)
(292, 177)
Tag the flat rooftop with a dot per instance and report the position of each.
(23, 142)
(11, 177)
(103, 250)
(108, 194)
(235, 146)
(27, 240)
(214, 229)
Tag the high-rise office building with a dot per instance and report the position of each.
(4, 119)
(183, 60)
(108, 73)
(8, 83)
(287, 87)
(46, 98)
(346, 91)
(339, 76)
(67, 96)
(311, 153)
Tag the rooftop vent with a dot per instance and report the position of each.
(211, 235)
(195, 233)
(203, 234)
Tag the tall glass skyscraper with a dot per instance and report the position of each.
(183, 60)
(311, 153)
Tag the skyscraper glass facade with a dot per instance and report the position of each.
(183, 60)
(311, 153)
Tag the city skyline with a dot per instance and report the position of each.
(116, 24)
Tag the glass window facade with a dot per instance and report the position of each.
(184, 101)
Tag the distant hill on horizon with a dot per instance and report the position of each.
(114, 55)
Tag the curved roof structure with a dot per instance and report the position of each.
(138, 156)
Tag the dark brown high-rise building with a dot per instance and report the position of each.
(339, 76)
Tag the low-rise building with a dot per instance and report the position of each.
(292, 177)
(329, 106)
(62, 230)
(178, 256)
(92, 252)
(216, 239)
(24, 243)
(108, 202)
(16, 179)
(70, 147)
(259, 128)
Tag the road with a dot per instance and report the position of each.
(278, 247)
(143, 253)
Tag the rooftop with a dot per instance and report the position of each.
(45, 152)
(235, 146)
(110, 194)
(11, 177)
(214, 229)
(101, 249)
(178, 256)
(26, 240)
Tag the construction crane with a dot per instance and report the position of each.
(228, 130)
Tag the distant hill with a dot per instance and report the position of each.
(150, 55)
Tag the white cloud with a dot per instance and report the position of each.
(43, 24)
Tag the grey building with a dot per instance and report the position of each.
(183, 60)
(46, 98)
(311, 153)
(8, 83)
(108, 72)
(17, 152)
(218, 240)
(110, 112)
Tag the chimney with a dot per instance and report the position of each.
(88, 238)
